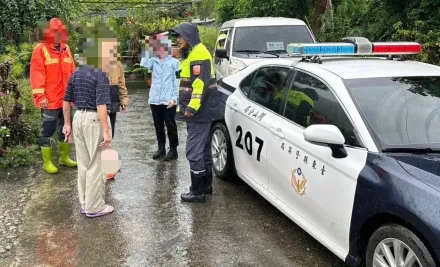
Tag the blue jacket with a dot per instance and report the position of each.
(165, 85)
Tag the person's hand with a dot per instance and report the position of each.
(67, 131)
(107, 139)
(171, 103)
(124, 108)
(44, 103)
(188, 114)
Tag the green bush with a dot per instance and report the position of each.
(20, 58)
(31, 115)
(208, 36)
(18, 137)
(19, 156)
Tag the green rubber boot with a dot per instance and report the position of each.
(64, 155)
(46, 153)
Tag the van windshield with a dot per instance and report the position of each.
(261, 39)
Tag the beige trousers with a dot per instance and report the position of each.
(87, 135)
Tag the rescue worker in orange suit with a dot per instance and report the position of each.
(51, 66)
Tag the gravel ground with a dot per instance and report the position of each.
(14, 186)
(40, 222)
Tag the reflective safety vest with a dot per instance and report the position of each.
(198, 92)
(302, 104)
(50, 71)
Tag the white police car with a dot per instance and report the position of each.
(347, 147)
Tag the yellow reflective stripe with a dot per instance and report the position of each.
(195, 101)
(38, 91)
(52, 61)
(46, 54)
(195, 104)
(67, 60)
(197, 86)
(70, 54)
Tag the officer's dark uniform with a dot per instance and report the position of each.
(198, 95)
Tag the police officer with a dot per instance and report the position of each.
(221, 41)
(198, 106)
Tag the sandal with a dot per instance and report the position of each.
(107, 210)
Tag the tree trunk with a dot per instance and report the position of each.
(320, 7)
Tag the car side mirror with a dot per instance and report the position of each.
(221, 53)
(326, 134)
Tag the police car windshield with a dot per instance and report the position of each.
(401, 112)
(269, 38)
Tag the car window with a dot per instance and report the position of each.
(310, 102)
(228, 41)
(401, 112)
(221, 43)
(267, 86)
(246, 83)
(269, 38)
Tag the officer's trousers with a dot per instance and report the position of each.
(87, 135)
(198, 147)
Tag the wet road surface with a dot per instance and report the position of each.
(150, 225)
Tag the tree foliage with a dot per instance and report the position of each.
(387, 20)
(377, 20)
(234, 9)
(204, 9)
(18, 17)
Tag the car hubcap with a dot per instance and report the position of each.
(393, 252)
(219, 153)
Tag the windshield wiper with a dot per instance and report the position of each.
(248, 51)
(279, 51)
(415, 150)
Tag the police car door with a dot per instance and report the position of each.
(248, 118)
(305, 176)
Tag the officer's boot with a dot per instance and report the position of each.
(208, 181)
(196, 193)
(207, 187)
(46, 153)
(64, 155)
(172, 154)
(160, 153)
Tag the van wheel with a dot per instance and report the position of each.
(395, 245)
(223, 160)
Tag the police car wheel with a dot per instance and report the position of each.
(223, 162)
(395, 245)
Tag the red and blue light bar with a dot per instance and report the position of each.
(355, 46)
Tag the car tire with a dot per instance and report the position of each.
(225, 169)
(401, 236)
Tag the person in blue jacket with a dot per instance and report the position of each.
(164, 92)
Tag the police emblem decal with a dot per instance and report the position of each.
(299, 181)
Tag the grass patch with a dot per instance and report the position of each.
(19, 156)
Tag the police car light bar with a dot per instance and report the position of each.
(354, 46)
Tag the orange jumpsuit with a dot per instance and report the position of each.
(51, 68)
